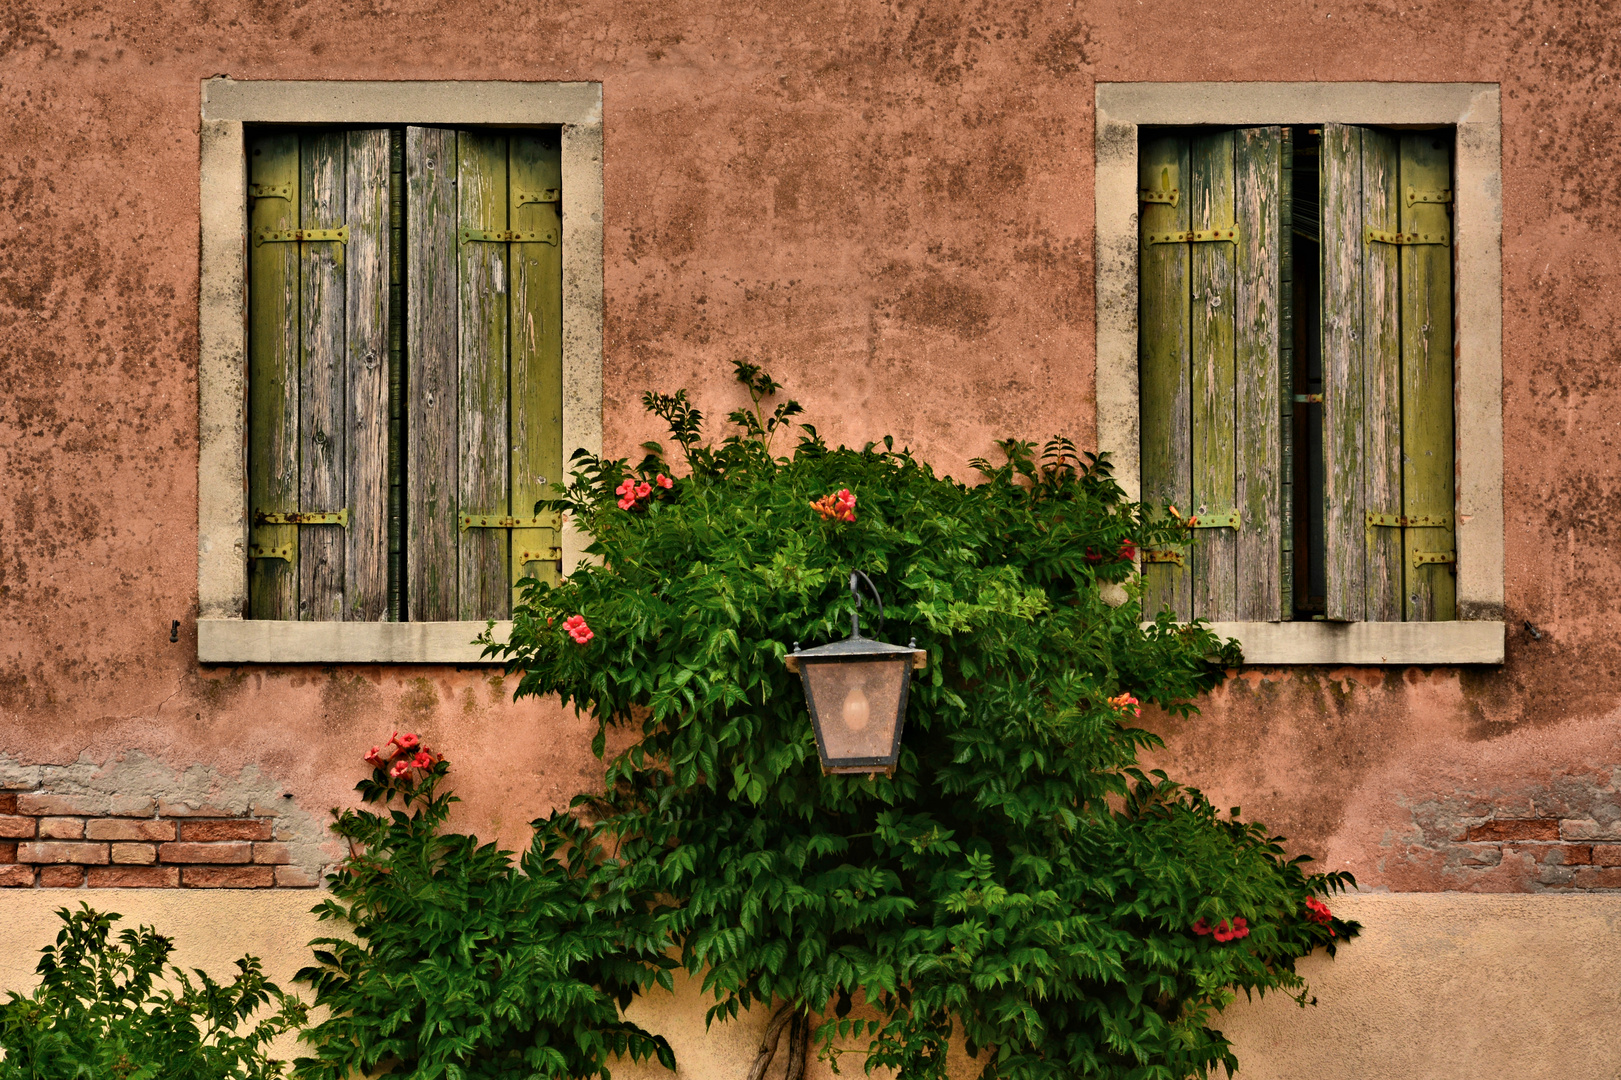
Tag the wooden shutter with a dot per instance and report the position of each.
(1211, 367)
(484, 313)
(1387, 355)
(319, 263)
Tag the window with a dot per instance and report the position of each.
(400, 329)
(1294, 364)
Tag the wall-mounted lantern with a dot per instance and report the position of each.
(856, 690)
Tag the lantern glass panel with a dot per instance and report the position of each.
(858, 704)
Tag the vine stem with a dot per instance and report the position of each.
(769, 1041)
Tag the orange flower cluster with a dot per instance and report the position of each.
(401, 754)
(840, 506)
(1122, 702)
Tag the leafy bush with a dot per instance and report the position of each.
(464, 964)
(1019, 874)
(98, 1013)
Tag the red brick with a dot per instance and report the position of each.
(240, 829)
(129, 829)
(1595, 877)
(61, 828)
(1607, 854)
(134, 877)
(8, 802)
(1571, 854)
(12, 877)
(239, 851)
(8, 851)
(271, 853)
(135, 854)
(1521, 829)
(61, 877)
(62, 851)
(17, 828)
(295, 877)
(227, 877)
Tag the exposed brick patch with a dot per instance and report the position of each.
(129, 829)
(12, 877)
(134, 877)
(61, 877)
(1607, 854)
(1571, 855)
(235, 851)
(227, 877)
(1589, 829)
(135, 854)
(295, 877)
(271, 854)
(1516, 829)
(8, 851)
(1597, 877)
(61, 828)
(8, 802)
(18, 828)
(42, 804)
(240, 829)
(62, 851)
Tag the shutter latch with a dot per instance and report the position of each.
(523, 197)
(1196, 236)
(338, 517)
(1380, 236)
(1414, 195)
(510, 236)
(271, 191)
(260, 551)
(1408, 521)
(1420, 558)
(497, 521)
(1170, 198)
(1223, 519)
(1151, 556)
(289, 236)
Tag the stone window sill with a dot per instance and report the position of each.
(268, 641)
(1367, 643)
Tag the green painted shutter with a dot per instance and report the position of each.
(484, 310)
(1211, 367)
(318, 373)
(1387, 353)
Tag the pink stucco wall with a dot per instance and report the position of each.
(891, 205)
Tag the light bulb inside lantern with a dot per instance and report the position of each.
(856, 710)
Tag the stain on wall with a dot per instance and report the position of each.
(890, 205)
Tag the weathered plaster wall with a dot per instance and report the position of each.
(1441, 987)
(890, 204)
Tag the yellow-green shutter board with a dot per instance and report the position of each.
(431, 365)
(1427, 392)
(273, 341)
(1164, 365)
(484, 450)
(1344, 412)
(1213, 557)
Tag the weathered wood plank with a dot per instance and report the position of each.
(396, 376)
(1381, 368)
(536, 171)
(273, 338)
(431, 328)
(1344, 412)
(322, 377)
(1164, 373)
(1427, 365)
(1286, 368)
(366, 453)
(1214, 556)
(483, 589)
(1257, 180)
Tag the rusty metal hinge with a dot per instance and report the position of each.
(271, 191)
(525, 196)
(550, 554)
(1414, 195)
(1151, 556)
(1408, 521)
(510, 236)
(263, 551)
(1169, 198)
(1228, 235)
(1380, 236)
(337, 517)
(1220, 519)
(301, 236)
(1422, 558)
(501, 521)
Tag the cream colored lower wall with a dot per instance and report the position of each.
(1441, 986)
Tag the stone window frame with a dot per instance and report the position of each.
(1475, 111)
(223, 635)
